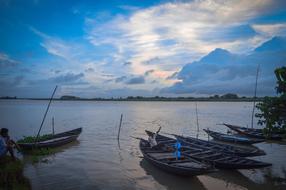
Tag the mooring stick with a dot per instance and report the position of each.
(197, 118)
(53, 125)
(120, 124)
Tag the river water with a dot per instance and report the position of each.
(96, 161)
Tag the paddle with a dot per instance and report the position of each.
(169, 134)
(159, 130)
(138, 138)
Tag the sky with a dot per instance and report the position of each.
(140, 48)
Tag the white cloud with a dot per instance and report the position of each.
(6, 61)
(270, 30)
(177, 29)
(161, 38)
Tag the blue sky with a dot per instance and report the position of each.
(144, 48)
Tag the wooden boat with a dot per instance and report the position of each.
(216, 158)
(253, 133)
(54, 140)
(254, 130)
(232, 138)
(225, 148)
(166, 160)
(76, 131)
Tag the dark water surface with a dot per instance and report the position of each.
(96, 162)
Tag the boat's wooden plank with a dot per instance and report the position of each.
(200, 153)
(211, 155)
(221, 159)
(55, 139)
(189, 164)
(165, 155)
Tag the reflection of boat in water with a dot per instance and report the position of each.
(170, 181)
(28, 158)
(237, 178)
(229, 177)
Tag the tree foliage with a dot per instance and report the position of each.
(273, 109)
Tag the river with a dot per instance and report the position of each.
(96, 161)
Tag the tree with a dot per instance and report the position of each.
(229, 96)
(273, 109)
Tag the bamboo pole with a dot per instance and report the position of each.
(45, 115)
(53, 125)
(255, 91)
(197, 118)
(120, 124)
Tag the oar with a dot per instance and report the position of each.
(159, 129)
(169, 134)
(220, 124)
(138, 138)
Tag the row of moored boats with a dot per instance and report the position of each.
(198, 156)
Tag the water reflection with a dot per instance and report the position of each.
(234, 177)
(171, 181)
(238, 178)
(30, 159)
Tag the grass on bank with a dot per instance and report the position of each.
(37, 153)
(32, 139)
(11, 175)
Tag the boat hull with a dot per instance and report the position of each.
(252, 133)
(215, 158)
(56, 140)
(232, 139)
(173, 169)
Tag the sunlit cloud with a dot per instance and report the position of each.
(184, 29)
(131, 49)
(270, 29)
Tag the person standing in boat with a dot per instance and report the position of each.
(6, 144)
(152, 139)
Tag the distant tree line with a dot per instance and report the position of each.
(228, 96)
(8, 97)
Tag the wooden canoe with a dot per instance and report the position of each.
(166, 160)
(253, 133)
(225, 148)
(216, 158)
(232, 138)
(54, 141)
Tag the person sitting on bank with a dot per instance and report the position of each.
(6, 144)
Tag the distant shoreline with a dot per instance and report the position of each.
(146, 99)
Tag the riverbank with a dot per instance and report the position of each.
(11, 175)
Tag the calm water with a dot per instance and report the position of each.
(96, 162)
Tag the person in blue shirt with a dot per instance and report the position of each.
(6, 144)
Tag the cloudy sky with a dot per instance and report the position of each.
(145, 48)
